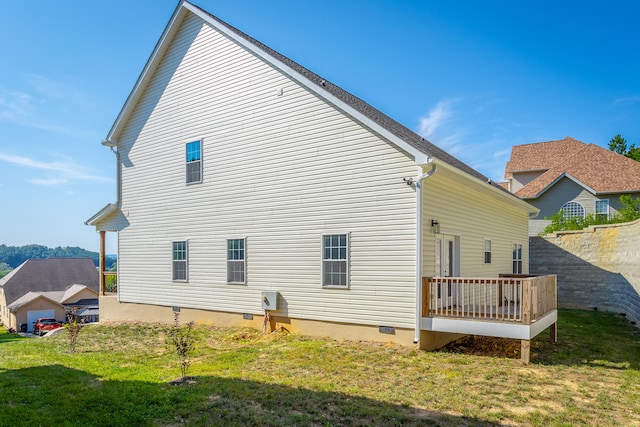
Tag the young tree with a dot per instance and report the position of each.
(618, 144)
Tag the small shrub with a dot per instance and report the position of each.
(73, 332)
(183, 342)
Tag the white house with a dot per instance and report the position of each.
(248, 183)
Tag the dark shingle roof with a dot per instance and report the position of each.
(49, 275)
(386, 122)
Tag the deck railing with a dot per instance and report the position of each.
(109, 282)
(507, 299)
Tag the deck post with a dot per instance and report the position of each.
(102, 262)
(426, 295)
(553, 332)
(526, 301)
(525, 351)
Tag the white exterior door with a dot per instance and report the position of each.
(447, 264)
(34, 315)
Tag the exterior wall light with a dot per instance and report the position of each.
(435, 226)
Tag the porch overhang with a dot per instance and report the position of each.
(103, 213)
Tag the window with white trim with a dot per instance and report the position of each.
(602, 209)
(335, 260)
(180, 258)
(517, 258)
(487, 251)
(236, 261)
(194, 162)
(573, 210)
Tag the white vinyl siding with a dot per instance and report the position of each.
(445, 193)
(282, 167)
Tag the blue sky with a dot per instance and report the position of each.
(474, 77)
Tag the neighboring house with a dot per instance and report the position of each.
(52, 287)
(568, 174)
(248, 183)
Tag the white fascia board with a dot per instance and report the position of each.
(159, 48)
(419, 156)
(491, 329)
(509, 197)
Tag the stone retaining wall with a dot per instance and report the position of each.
(598, 267)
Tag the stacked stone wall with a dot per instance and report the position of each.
(597, 268)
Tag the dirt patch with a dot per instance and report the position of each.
(183, 381)
(485, 346)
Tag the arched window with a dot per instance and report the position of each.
(572, 210)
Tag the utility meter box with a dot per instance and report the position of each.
(270, 300)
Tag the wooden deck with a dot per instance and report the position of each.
(510, 307)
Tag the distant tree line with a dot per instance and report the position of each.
(13, 256)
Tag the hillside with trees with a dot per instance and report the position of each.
(13, 256)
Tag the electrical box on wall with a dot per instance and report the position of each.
(270, 300)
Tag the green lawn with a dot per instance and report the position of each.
(121, 374)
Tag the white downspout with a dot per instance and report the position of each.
(118, 178)
(418, 183)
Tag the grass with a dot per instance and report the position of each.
(121, 374)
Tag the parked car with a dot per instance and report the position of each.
(45, 324)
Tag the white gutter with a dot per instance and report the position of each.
(418, 184)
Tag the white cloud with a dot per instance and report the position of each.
(627, 100)
(51, 182)
(437, 116)
(45, 104)
(62, 170)
(14, 106)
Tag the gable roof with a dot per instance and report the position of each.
(73, 291)
(597, 169)
(541, 155)
(49, 275)
(404, 138)
(32, 296)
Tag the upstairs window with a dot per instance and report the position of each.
(180, 261)
(335, 263)
(517, 258)
(194, 162)
(602, 210)
(573, 210)
(236, 265)
(487, 251)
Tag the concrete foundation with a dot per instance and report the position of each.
(111, 310)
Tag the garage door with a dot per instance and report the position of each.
(34, 315)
